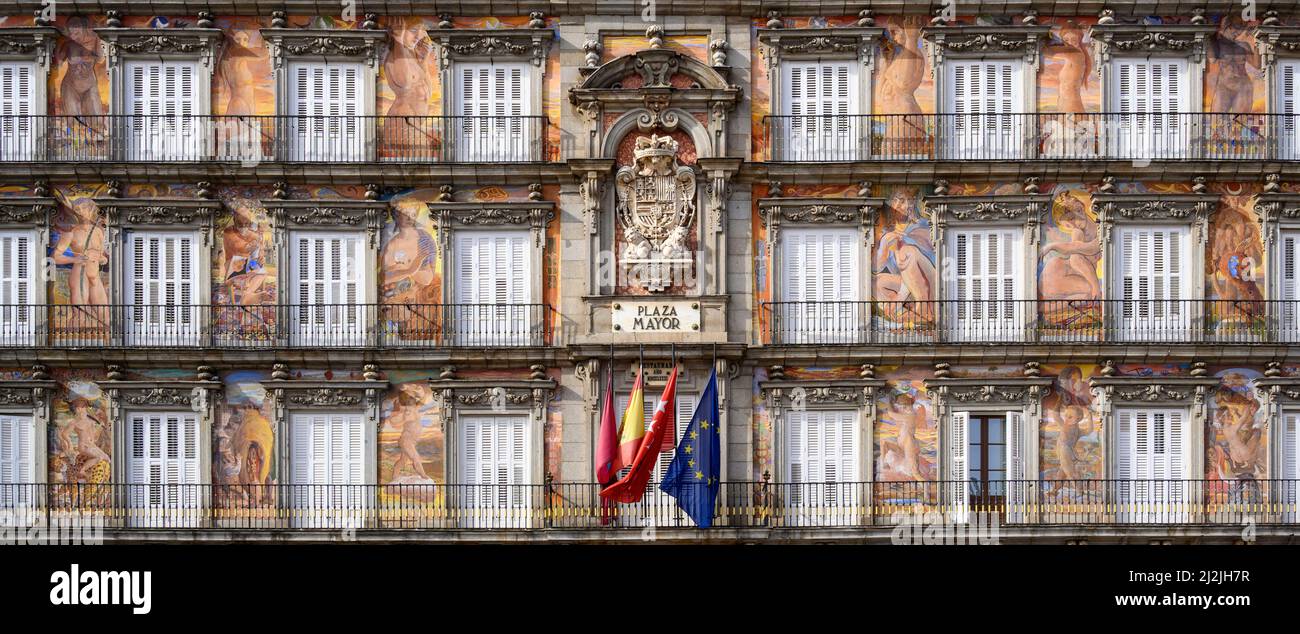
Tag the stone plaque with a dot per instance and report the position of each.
(651, 316)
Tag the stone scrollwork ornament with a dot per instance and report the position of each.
(656, 206)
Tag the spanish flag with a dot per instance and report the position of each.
(633, 428)
(632, 487)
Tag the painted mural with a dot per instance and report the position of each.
(81, 434)
(1069, 265)
(411, 440)
(1236, 446)
(907, 437)
(903, 264)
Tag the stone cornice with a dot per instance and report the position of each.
(1275, 41)
(355, 44)
(530, 394)
(523, 44)
(861, 212)
(1153, 389)
(1023, 41)
(1190, 209)
(987, 209)
(536, 214)
(800, 393)
(990, 390)
(1280, 389)
(183, 42)
(603, 87)
(313, 394)
(34, 43)
(161, 394)
(344, 213)
(852, 42)
(1187, 40)
(158, 211)
(25, 393)
(26, 211)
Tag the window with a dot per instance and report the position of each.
(1288, 472)
(1287, 109)
(821, 101)
(986, 462)
(163, 468)
(163, 295)
(493, 111)
(327, 468)
(822, 466)
(20, 128)
(326, 271)
(819, 286)
(1152, 465)
(985, 290)
(984, 99)
(494, 454)
(17, 462)
(17, 287)
(1289, 287)
(658, 506)
(1150, 99)
(162, 105)
(493, 288)
(326, 108)
(1153, 287)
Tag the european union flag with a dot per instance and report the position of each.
(693, 477)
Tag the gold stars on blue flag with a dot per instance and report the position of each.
(694, 476)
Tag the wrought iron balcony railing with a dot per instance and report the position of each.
(1046, 136)
(255, 139)
(1030, 321)
(578, 505)
(279, 325)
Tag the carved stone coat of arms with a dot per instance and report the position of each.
(656, 204)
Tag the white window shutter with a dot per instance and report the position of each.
(820, 99)
(1287, 106)
(162, 288)
(1152, 282)
(987, 271)
(1289, 285)
(17, 286)
(1018, 480)
(1151, 94)
(326, 99)
(328, 273)
(19, 127)
(494, 459)
(820, 285)
(493, 286)
(162, 101)
(1288, 471)
(983, 98)
(17, 461)
(958, 465)
(493, 101)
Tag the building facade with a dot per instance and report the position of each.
(270, 276)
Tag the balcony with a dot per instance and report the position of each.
(255, 139)
(1041, 136)
(1030, 321)
(822, 505)
(399, 326)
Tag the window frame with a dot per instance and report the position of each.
(33, 45)
(162, 215)
(171, 45)
(858, 213)
(1189, 393)
(1191, 211)
(32, 397)
(1023, 212)
(855, 44)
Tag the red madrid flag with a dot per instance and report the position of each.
(632, 487)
